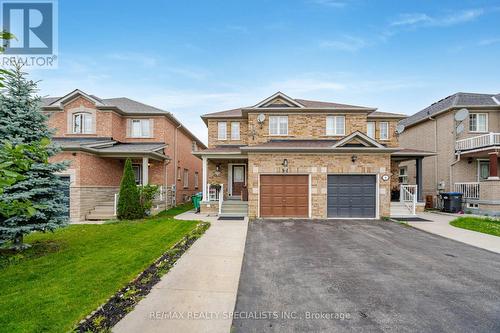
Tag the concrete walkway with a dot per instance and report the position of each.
(200, 290)
(440, 225)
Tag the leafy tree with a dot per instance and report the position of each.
(129, 204)
(33, 188)
(147, 194)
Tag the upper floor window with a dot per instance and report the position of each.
(335, 125)
(278, 125)
(370, 129)
(141, 128)
(82, 123)
(478, 122)
(194, 146)
(384, 130)
(222, 130)
(235, 130)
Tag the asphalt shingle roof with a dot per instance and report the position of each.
(456, 100)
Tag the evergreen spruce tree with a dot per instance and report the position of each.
(129, 203)
(22, 123)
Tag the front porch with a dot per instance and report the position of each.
(476, 174)
(225, 191)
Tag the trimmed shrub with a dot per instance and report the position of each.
(129, 203)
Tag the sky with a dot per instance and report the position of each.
(196, 57)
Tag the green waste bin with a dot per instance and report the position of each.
(196, 201)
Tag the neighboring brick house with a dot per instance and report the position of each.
(288, 157)
(467, 150)
(97, 136)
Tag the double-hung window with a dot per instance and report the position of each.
(403, 175)
(196, 180)
(235, 130)
(335, 125)
(141, 128)
(82, 123)
(370, 129)
(221, 130)
(384, 130)
(478, 122)
(278, 125)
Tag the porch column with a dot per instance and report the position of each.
(145, 169)
(418, 164)
(493, 166)
(205, 178)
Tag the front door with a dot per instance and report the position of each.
(238, 179)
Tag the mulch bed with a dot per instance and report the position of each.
(124, 301)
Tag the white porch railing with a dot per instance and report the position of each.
(216, 193)
(484, 140)
(469, 190)
(408, 196)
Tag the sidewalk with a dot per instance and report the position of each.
(204, 282)
(440, 225)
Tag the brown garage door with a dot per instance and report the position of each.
(284, 196)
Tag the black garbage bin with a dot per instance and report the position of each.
(452, 202)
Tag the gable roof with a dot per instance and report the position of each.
(122, 105)
(289, 103)
(457, 100)
(358, 136)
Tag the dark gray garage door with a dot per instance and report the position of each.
(352, 196)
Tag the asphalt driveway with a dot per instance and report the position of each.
(329, 276)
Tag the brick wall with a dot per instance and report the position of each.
(300, 126)
(319, 166)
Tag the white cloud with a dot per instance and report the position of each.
(331, 3)
(489, 41)
(422, 19)
(346, 43)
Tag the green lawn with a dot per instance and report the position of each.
(484, 225)
(67, 274)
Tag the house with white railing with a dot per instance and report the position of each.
(464, 131)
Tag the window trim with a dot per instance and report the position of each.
(335, 133)
(219, 137)
(380, 130)
(374, 129)
(486, 125)
(479, 162)
(236, 138)
(196, 179)
(83, 127)
(185, 178)
(279, 118)
(139, 167)
(140, 120)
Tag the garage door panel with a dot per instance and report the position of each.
(351, 196)
(284, 195)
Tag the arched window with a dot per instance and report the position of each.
(82, 123)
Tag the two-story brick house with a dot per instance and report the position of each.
(286, 157)
(464, 131)
(97, 136)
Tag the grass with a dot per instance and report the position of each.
(485, 225)
(67, 274)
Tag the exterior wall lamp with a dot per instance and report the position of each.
(354, 158)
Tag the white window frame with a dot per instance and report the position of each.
(373, 126)
(137, 166)
(85, 128)
(185, 178)
(222, 130)
(196, 179)
(142, 133)
(403, 177)
(279, 120)
(479, 163)
(381, 125)
(332, 128)
(235, 130)
(476, 115)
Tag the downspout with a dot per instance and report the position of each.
(435, 150)
(176, 162)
